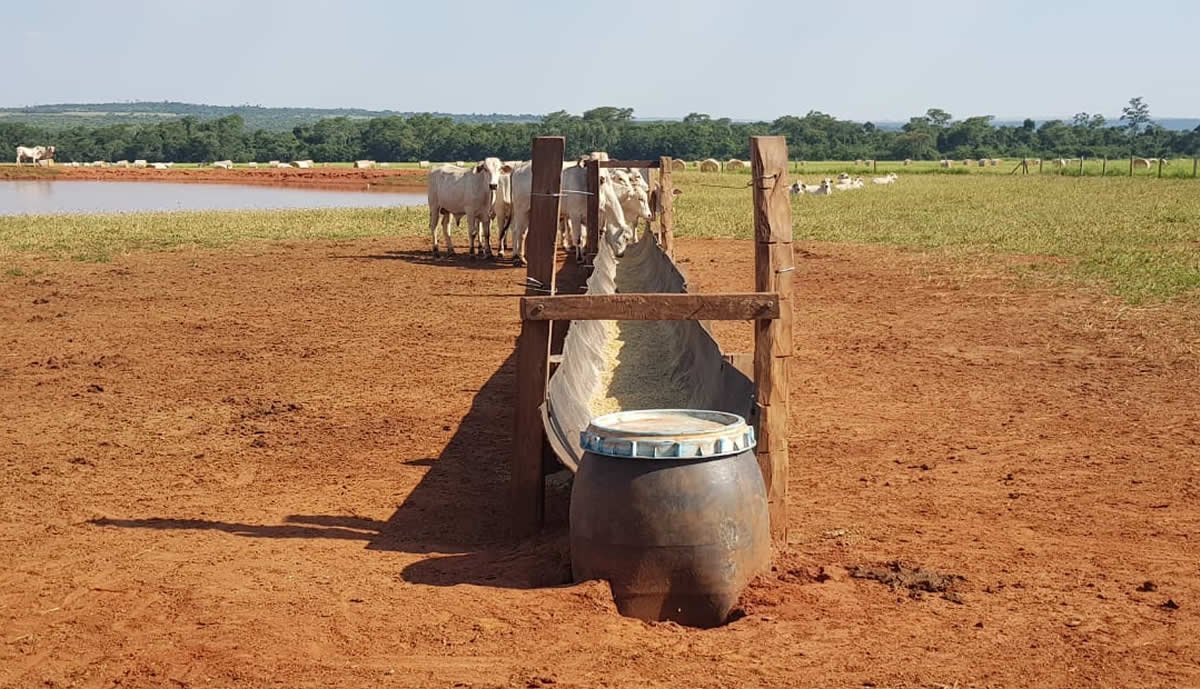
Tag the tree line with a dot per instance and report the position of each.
(815, 136)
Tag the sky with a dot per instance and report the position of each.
(879, 60)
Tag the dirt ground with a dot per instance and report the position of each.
(318, 176)
(282, 465)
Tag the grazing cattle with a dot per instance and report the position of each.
(423, 164)
(889, 178)
(735, 164)
(303, 164)
(34, 153)
(142, 163)
(710, 165)
(843, 177)
(100, 163)
(797, 188)
(824, 189)
(573, 205)
(223, 164)
(364, 164)
(850, 184)
(677, 164)
(633, 192)
(469, 192)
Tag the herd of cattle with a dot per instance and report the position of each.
(844, 183)
(503, 191)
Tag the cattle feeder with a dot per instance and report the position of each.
(641, 302)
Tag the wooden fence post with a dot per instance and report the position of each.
(666, 211)
(527, 487)
(1104, 166)
(1194, 161)
(1160, 168)
(593, 209)
(1081, 166)
(1041, 161)
(875, 166)
(1131, 165)
(773, 268)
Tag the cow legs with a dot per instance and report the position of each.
(485, 237)
(446, 234)
(520, 223)
(434, 217)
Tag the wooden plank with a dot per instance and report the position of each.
(629, 163)
(655, 306)
(526, 485)
(773, 265)
(742, 361)
(772, 209)
(666, 201)
(593, 208)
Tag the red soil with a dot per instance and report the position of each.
(282, 465)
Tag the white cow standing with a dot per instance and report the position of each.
(34, 153)
(458, 191)
(573, 205)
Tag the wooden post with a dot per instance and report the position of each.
(666, 201)
(1160, 168)
(1081, 166)
(593, 209)
(1025, 166)
(1040, 162)
(773, 268)
(1131, 165)
(875, 166)
(1104, 166)
(1194, 161)
(527, 487)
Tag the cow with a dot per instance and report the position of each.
(889, 178)
(455, 190)
(34, 153)
(573, 205)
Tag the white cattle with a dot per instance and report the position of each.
(364, 164)
(633, 192)
(469, 192)
(889, 178)
(710, 165)
(34, 153)
(843, 177)
(850, 184)
(597, 155)
(304, 164)
(797, 188)
(573, 205)
(823, 189)
(223, 164)
(141, 163)
(100, 163)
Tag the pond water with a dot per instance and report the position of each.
(36, 197)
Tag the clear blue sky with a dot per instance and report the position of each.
(858, 59)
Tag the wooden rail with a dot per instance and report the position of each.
(651, 307)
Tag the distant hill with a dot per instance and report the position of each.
(61, 115)
(1178, 124)
(256, 116)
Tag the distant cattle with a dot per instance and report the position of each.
(34, 153)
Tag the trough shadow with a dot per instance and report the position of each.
(461, 259)
(459, 509)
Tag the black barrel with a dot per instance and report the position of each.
(669, 506)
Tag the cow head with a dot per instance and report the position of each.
(491, 169)
(633, 192)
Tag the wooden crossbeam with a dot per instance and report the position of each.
(656, 306)
(628, 163)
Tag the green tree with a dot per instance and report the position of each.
(1136, 115)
